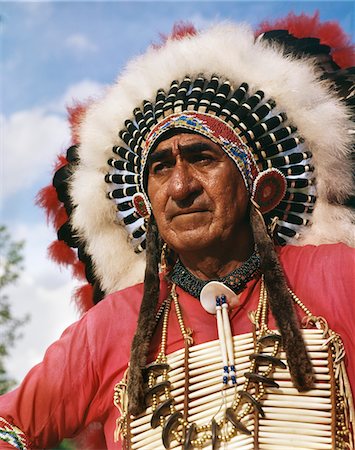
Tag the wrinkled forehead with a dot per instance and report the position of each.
(169, 134)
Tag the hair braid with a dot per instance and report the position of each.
(146, 321)
(281, 305)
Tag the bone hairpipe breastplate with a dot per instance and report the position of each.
(292, 420)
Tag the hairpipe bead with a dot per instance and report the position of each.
(141, 205)
(269, 189)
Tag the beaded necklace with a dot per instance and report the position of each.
(235, 280)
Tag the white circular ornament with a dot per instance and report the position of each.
(215, 289)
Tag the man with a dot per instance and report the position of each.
(206, 174)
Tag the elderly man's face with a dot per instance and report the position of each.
(197, 194)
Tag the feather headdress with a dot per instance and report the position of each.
(286, 96)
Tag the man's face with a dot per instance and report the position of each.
(197, 194)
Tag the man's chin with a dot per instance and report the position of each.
(189, 239)
(186, 231)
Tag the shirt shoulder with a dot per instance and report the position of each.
(323, 277)
(330, 258)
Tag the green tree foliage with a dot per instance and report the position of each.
(11, 258)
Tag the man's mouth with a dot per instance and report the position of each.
(187, 212)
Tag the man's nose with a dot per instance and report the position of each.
(183, 185)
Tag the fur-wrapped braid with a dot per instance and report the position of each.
(281, 305)
(146, 321)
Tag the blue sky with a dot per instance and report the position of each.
(42, 57)
(52, 52)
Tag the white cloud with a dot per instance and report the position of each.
(32, 138)
(77, 92)
(48, 303)
(51, 311)
(80, 42)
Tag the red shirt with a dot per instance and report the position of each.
(74, 384)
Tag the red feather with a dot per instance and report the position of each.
(76, 114)
(61, 253)
(55, 211)
(60, 217)
(329, 33)
(181, 30)
(79, 270)
(83, 298)
(48, 200)
(60, 162)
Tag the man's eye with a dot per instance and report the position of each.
(160, 167)
(201, 158)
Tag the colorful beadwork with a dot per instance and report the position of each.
(12, 435)
(142, 206)
(235, 280)
(269, 189)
